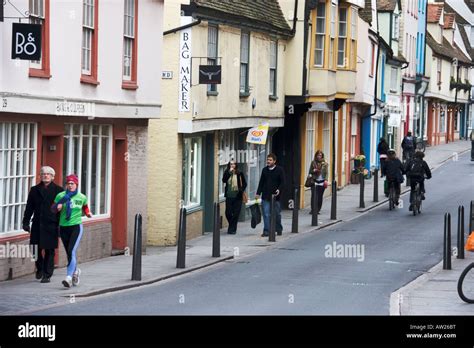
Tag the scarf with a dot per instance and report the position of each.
(234, 186)
(66, 200)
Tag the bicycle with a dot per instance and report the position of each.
(468, 287)
(420, 145)
(417, 195)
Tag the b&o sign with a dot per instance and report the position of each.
(26, 41)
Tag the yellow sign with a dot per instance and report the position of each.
(258, 135)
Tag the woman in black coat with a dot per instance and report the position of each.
(44, 229)
(234, 188)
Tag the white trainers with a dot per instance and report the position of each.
(67, 282)
(75, 277)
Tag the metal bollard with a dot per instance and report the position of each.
(137, 249)
(181, 258)
(296, 207)
(333, 200)
(314, 215)
(362, 184)
(460, 232)
(271, 234)
(216, 235)
(376, 185)
(447, 242)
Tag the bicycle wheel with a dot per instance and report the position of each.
(466, 284)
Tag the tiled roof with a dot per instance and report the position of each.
(386, 5)
(448, 21)
(366, 13)
(434, 12)
(446, 50)
(264, 14)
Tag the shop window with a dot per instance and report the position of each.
(192, 172)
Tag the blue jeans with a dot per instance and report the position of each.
(266, 216)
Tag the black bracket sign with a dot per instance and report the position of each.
(210, 74)
(26, 41)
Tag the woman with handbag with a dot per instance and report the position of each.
(234, 193)
(318, 174)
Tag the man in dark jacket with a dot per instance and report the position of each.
(416, 170)
(44, 230)
(271, 183)
(393, 170)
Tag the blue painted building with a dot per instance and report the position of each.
(422, 81)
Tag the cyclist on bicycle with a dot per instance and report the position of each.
(416, 170)
(408, 146)
(393, 170)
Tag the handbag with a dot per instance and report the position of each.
(245, 197)
(310, 182)
(470, 243)
(325, 184)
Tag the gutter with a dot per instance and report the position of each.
(182, 27)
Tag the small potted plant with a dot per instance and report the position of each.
(359, 167)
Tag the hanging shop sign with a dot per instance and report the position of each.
(26, 41)
(210, 74)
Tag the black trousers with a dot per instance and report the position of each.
(472, 150)
(319, 190)
(232, 212)
(413, 182)
(45, 263)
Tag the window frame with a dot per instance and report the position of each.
(90, 76)
(273, 86)
(394, 80)
(321, 35)
(342, 48)
(212, 57)
(19, 178)
(130, 82)
(188, 204)
(244, 88)
(73, 163)
(43, 68)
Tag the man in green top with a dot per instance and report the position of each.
(71, 204)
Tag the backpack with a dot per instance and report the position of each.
(415, 168)
(408, 142)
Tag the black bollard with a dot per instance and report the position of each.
(271, 234)
(137, 249)
(362, 184)
(376, 185)
(447, 242)
(296, 207)
(460, 232)
(314, 215)
(181, 258)
(216, 236)
(333, 200)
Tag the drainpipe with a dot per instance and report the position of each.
(295, 17)
(305, 45)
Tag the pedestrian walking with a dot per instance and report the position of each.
(382, 149)
(71, 204)
(319, 171)
(234, 192)
(272, 181)
(44, 229)
(408, 146)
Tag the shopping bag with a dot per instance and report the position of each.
(256, 215)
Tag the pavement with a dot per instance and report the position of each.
(25, 294)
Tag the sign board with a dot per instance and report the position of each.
(26, 41)
(210, 74)
(75, 108)
(167, 75)
(184, 98)
(258, 135)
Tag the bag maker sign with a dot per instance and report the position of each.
(26, 41)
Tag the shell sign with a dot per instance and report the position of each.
(258, 135)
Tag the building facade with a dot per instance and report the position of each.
(83, 108)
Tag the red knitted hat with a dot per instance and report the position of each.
(73, 178)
